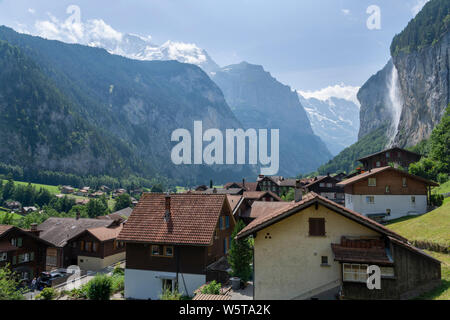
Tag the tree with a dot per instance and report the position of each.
(123, 201)
(9, 285)
(8, 190)
(99, 288)
(240, 255)
(96, 207)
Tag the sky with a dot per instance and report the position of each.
(321, 48)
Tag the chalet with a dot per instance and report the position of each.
(241, 204)
(327, 186)
(277, 184)
(387, 193)
(172, 239)
(97, 248)
(397, 156)
(97, 194)
(26, 210)
(67, 190)
(23, 250)
(316, 249)
(13, 205)
(60, 231)
(247, 186)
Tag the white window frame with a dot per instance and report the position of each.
(413, 201)
(370, 197)
(357, 273)
(3, 256)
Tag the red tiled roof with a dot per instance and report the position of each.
(260, 194)
(309, 199)
(249, 186)
(262, 208)
(233, 201)
(193, 219)
(375, 171)
(105, 234)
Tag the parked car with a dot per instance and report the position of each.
(46, 278)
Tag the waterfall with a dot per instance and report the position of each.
(396, 103)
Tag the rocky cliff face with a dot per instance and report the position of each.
(259, 101)
(424, 80)
(411, 93)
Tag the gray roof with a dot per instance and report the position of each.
(59, 230)
(123, 214)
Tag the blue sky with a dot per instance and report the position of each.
(307, 44)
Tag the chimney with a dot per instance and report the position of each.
(78, 215)
(243, 183)
(214, 190)
(210, 184)
(34, 230)
(167, 207)
(298, 194)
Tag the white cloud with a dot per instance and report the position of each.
(31, 10)
(418, 6)
(338, 91)
(345, 11)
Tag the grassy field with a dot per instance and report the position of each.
(52, 189)
(15, 215)
(431, 227)
(443, 291)
(443, 188)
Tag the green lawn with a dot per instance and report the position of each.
(431, 227)
(443, 188)
(443, 291)
(15, 215)
(52, 189)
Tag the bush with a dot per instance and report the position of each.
(9, 285)
(437, 200)
(118, 283)
(79, 294)
(240, 255)
(118, 270)
(442, 178)
(99, 288)
(46, 294)
(168, 294)
(212, 288)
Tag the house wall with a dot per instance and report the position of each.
(216, 250)
(396, 156)
(287, 261)
(95, 263)
(400, 205)
(414, 275)
(29, 244)
(147, 284)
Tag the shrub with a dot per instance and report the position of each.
(79, 294)
(99, 288)
(212, 288)
(118, 283)
(9, 285)
(437, 200)
(118, 270)
(168, 294)
(442, 178)
(241, 255)
(46, 294)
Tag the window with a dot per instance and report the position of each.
(387, 271)
(388, 189)
(322, 185)
(388, 154)
(372, 182)
(17, 242)
(378, 164)
(3, 256)
(95, 246)
(227, 222)
(324, 261)
(51, 260)
(155, 250)
(222, 222)
(32, 256)
(14, 260)
(388, 212)
(81, 245)
(225, 246)
(24, 258)
(168, 251)
(88, 246)
(413, 200)
(404, 182)
(354, 272)
(329, 185)
(370, 199)
(317, 227)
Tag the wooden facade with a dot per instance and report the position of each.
(397, 156)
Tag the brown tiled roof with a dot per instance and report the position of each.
(123, 214)
(309, 199)
(262, 208)
(105, 234)
(233, 201)
(193, 219)
(260, 194)
(288, 183)
(360, 255)
(375, 171)
(4, 228)
(202, 296)
(387, 150)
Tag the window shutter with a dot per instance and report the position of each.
(316, 226)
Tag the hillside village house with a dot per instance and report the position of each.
(172, 239)
(397, 156)
(23, 250)
(277, 184)
(241, 205)
(387, 193)
(327, 186)
(61, 232)
(316, 249)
